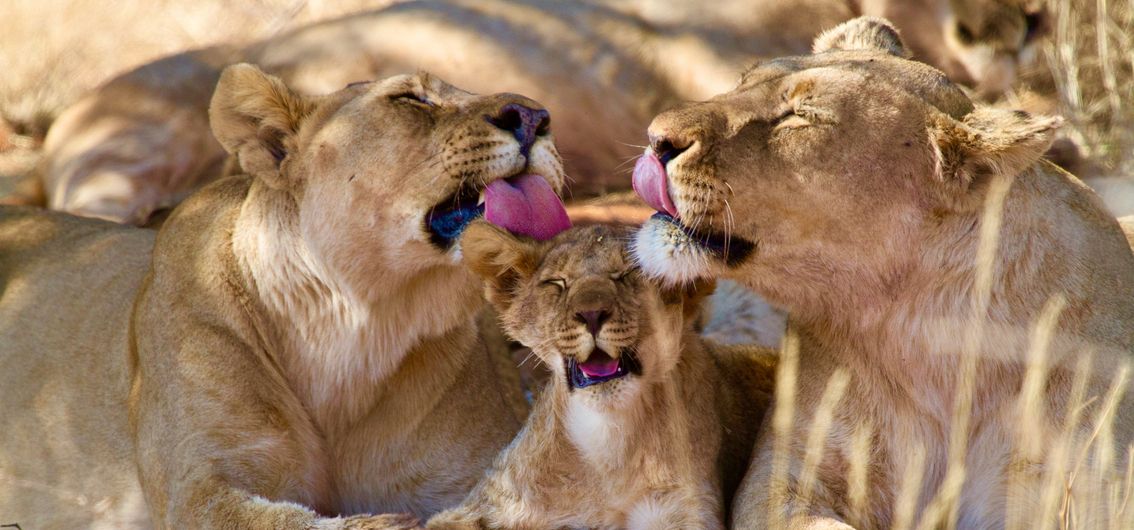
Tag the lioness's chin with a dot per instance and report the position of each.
(667, 250)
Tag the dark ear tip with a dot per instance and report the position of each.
(863, 33)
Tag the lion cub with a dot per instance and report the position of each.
(643, 424)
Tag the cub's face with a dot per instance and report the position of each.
(980, 43)
(820, 170)
(385, 175)
(580, 303)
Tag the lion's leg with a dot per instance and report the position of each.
(512, 494)
(497, 502)
(679, 508)
(230, 507)
(220, 439)
(757, 502)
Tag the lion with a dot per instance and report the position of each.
(141, 142)
(297, 346)
(980, 43)
(642, 424)
(916, 240)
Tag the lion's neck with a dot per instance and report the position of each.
(643, 432)
(1055, 246)
(337, 348)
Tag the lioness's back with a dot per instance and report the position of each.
(66, 292)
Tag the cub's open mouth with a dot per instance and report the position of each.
(600, 367)
(523, 204)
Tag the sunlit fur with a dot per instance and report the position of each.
(294, 347)
(660, 449)
(905, 231)
(141, 141)
(1001, 34)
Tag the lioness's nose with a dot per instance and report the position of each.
(668, 147)
(525, 123)
(593, 319)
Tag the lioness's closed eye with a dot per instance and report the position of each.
(642, 425)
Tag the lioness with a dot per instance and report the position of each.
(298, 345)
(141, 142)
(642, 424)
(849, 187)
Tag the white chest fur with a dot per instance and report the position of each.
(598, 434)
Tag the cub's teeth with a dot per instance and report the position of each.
(480, 198)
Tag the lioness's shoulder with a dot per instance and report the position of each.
(746, 366)
(207, 208)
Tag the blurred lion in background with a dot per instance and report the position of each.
(139, 144)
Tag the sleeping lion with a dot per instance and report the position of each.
(141, 142)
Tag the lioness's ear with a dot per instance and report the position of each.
(256, 117)
(988, 141)
(862, 33)
(498, 257)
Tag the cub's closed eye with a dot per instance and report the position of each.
(411, 97)
(560, 283)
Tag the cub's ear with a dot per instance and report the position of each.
(500, 258)
(987, 142)
(256, 117)
(862, 33)
(690, 295)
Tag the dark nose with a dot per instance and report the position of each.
(525, 123)
(593, 319)
(667, 147)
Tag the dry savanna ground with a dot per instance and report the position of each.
(52, 51)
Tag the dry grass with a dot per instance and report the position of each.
(1086, 482)
(1090, 54)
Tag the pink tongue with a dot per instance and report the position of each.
(650, 184)
(599, 367)
(526, 206)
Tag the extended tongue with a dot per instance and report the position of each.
(650, 184)
(525, 205)
(599, 367)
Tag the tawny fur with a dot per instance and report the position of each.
(141, 142)
(664, 449)
(292, 348)
(861, 179)
(981, 43)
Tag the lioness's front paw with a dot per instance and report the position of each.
(402, 521)
(455, 521)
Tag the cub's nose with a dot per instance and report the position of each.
(525, 123)
(668, 147)
(593, 319)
